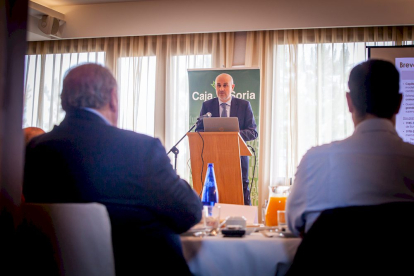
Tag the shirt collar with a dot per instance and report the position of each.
(97, 113)
(228, 103)
(375, 124)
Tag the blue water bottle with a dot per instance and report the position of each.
(210, 192)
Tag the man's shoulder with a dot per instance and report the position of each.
(134, 136)
(211, 101)
(240, 101)
(405, 147)
(408, 148)
(326, 149)
(74, 134)
(45, 138)
(129, 138)
(233, 99)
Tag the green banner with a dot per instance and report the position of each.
(247, 87)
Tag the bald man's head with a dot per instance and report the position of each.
(224, 87)
(93, 86)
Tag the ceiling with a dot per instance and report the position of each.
(122, 18)
(57, 3)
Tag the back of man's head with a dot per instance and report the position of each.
(31, 132)
(89, 85)
(374, 87)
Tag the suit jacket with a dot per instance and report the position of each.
(247, 125)
(85, 160)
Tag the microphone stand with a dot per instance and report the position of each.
(174, 148)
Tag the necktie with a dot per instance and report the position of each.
(224, 112)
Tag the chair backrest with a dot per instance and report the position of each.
(359, 240)
(66, 239)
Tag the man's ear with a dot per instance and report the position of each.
(113, 103)
(400, 97)
(232, 87)
(351, 107)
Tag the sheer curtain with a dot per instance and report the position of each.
(188, 52)
(132, 60)
(134, 63)
(46, 64)
(304, 79)
(151, 72)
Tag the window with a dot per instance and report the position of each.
(309, 106)
(136, 93)
(43, 84)
(178, 106)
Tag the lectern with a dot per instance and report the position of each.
(223, 149)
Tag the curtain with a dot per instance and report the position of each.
(151, 72)
(304, 79)
(303, 83)
(46, 65)
(133, 61)
(188, 52)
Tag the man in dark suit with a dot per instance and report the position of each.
(88, 159)
(225, 105)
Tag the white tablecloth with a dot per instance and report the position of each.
(253, 254)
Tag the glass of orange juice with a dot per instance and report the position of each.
(277, 202)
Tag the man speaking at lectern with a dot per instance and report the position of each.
(225, 105)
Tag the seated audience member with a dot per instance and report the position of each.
(31, 132)
(88, 159)
(372, 166)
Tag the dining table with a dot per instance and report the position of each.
(253, 254)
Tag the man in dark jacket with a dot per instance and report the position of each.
(88, 159)
(225, 105)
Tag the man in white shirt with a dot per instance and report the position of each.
(372, 166)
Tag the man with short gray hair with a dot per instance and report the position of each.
(373, 166)
(87, 159)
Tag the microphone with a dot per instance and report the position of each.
(207, 115)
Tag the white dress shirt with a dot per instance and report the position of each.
(372, 166)
(228, 107)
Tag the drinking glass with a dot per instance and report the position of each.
(211, 216)
(281, 220)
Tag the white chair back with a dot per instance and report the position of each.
(68, 239)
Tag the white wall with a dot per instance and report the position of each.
(200, 16)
